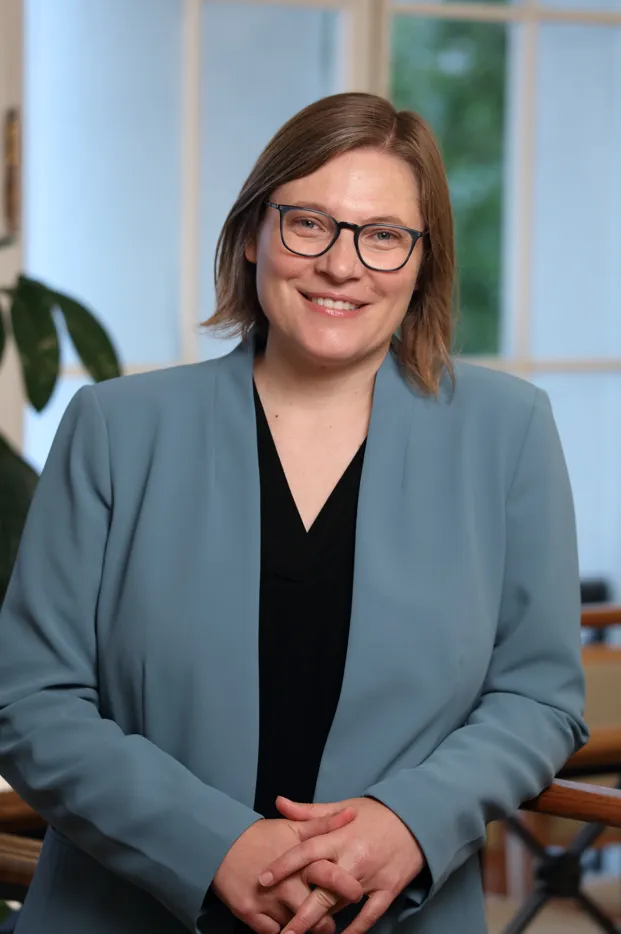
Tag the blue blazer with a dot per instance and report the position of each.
(129, 643)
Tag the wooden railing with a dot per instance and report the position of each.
(589, 803)
(18, 859)
(17, 817)
(599, 617)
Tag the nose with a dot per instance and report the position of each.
(341, 262)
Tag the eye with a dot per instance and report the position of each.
(307, 224)
(384, 237)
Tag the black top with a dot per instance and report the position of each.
(305, 606)
(304, 611)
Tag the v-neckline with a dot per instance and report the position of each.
(324, 513)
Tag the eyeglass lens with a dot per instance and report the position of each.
(310, 233)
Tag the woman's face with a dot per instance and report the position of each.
(359, 187)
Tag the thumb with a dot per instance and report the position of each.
(295, 810)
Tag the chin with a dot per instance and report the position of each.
(327, 351)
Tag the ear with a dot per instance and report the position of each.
(250, 251)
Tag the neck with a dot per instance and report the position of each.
(297, 380)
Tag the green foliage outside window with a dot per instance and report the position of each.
(454, 74)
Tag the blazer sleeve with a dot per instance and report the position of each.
(529, 718)
(118, 797)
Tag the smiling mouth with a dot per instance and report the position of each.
(331, 304)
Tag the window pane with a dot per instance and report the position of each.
(587, 408)
(262, 63)
(576, 246)
(102, 135)
(453, 74)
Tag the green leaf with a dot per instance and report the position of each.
(89, 338)
(17, 485)
(37, 341)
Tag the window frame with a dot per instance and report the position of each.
(365, 42)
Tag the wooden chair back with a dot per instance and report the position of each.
(597, 760)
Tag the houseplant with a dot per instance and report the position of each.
(32, 314)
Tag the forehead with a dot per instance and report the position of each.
(357, 185)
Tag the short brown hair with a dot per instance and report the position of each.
(323, 130)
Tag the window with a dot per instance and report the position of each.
(132, 168)
(261, 64)
(525, 98)
(453, 72)
(527, 111)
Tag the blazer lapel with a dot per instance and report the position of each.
(386, 655)
(233, 571)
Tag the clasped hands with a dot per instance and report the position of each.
(346, 850)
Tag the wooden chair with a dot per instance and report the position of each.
(555, 847)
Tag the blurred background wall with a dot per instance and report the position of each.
(143, 117)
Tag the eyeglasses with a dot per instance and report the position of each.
(381, 247)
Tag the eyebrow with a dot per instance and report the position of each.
(379, 219)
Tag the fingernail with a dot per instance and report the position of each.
(266, 878)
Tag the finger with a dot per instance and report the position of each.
(323, 825)
(295, 890)
(312, 911)
(333, 877)
(293, 893)
(262, 924)
(326, 926)
(279, 911)
(299, 811)
(297, 858)
(370, 913)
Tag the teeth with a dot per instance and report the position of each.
(338, 306)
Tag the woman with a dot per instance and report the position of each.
(332, 566)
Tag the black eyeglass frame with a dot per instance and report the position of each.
(357, 229)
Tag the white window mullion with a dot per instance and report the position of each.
(190, 182)
(523, 204)
(367, 46)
